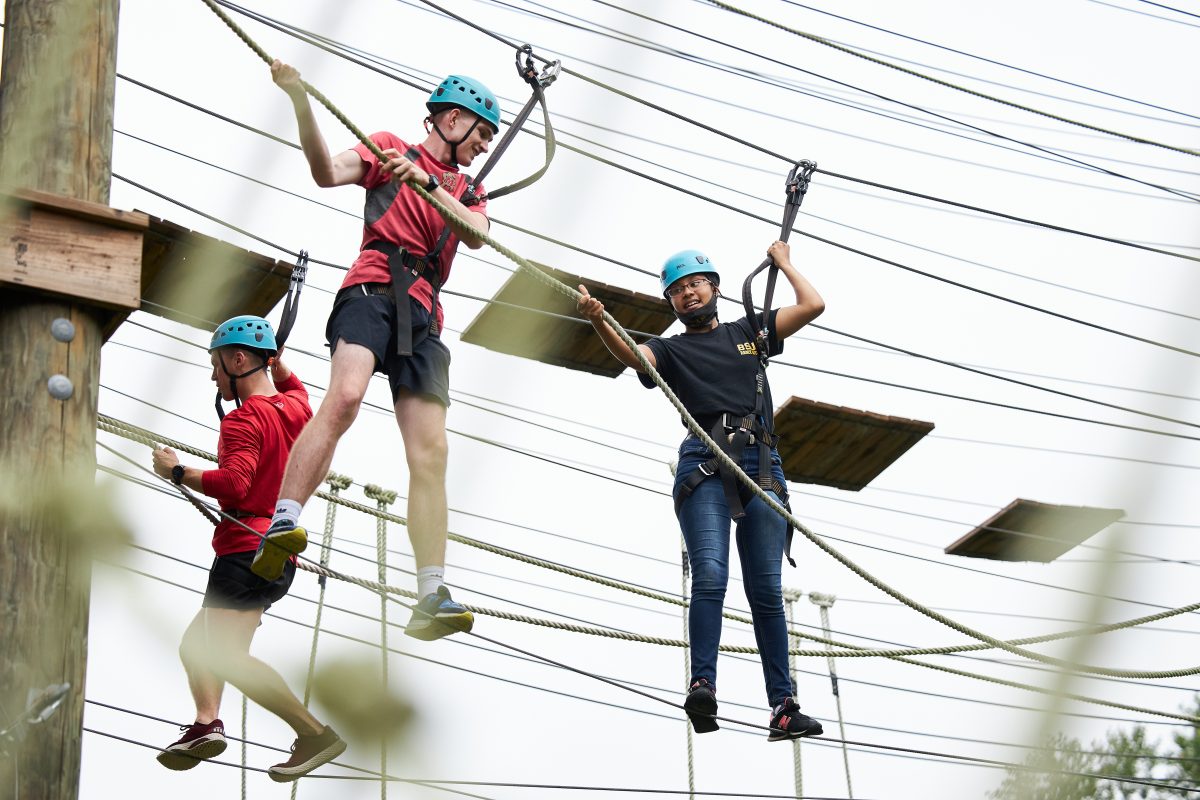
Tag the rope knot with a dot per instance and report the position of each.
(385, 497)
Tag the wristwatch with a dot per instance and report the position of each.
(177, 474)
(432, 184)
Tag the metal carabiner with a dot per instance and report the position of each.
(300, 271)
(549, 73)
(528, 71)
(798, 179)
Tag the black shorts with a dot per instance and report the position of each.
(231, 584)
(369, 320)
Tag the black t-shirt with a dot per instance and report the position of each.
(713, 372)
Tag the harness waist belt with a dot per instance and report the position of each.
(406, 270)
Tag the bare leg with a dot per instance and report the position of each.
(312, 452)
(206, 687)
(423, 426)
(230, 632)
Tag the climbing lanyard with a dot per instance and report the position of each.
(291, 301)
(538, 82)
(287, 318)
(795, 188)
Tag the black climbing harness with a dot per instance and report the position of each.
(538, 82)
(734, 434)
(287, 319)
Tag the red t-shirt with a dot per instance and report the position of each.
(252, 452)
(395, 213)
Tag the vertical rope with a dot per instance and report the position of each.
(384, 497)
(687, 666)
(824, 601)
(791, 596)
(336, 484)
(245, 736)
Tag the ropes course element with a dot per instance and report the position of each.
(385, 590)
(384, 498)
(337, 484)
(947, 84)
(462, 225)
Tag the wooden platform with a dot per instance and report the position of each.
(1026, 530)
(200, 281)
(518, 329)
(71, 248)
(841, 447)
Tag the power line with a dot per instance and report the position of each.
(996, 63)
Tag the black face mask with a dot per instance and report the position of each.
(700, 317)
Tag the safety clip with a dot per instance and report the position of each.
(300, 271)
(799, 178)
(528, 71)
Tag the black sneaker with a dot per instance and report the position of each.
(788, 723)
(281, 541)
(308, 753)
(199, 742)
(701, 706)
(437, 615)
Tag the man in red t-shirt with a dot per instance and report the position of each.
(251, 454)
(386, 318)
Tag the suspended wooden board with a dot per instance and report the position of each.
(840, 447)
(1026, 530)
(200, 281)
(513, 324)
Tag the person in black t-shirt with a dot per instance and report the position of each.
(714, 367)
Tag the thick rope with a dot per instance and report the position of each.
(336, 484)
(378, 587)
(146, 437)
(949, 85)
(823, 602)
(384, 497)
(685, 572)
(790, 597)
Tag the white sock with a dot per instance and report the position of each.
(429, 579)
(286, 510)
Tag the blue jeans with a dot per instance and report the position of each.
(704, 518)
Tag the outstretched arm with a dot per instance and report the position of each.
(327, 170)
(593, 311)
(809, 303)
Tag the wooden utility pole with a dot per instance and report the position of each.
(56, 114)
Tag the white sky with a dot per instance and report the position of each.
(474, 727)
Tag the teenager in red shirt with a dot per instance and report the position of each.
(251, 454)
(386, 318)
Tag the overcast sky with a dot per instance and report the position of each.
(489, 716)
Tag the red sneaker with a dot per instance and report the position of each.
(199, 742)
(308, 753)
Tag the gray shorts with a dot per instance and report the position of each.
(369, 320)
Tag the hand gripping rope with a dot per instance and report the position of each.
(538, 82)
(287, 318)
(728, 463)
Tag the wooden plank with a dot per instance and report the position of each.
(514, 326)
(842, 447)
(72, 256)
(1026, 530)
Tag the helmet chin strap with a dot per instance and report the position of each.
(701, 317)
(453, 145)
(233, 379)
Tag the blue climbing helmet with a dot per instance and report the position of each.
(247, 331)
(468, 93)
(684, 263)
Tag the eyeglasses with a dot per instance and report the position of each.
(693, 284)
